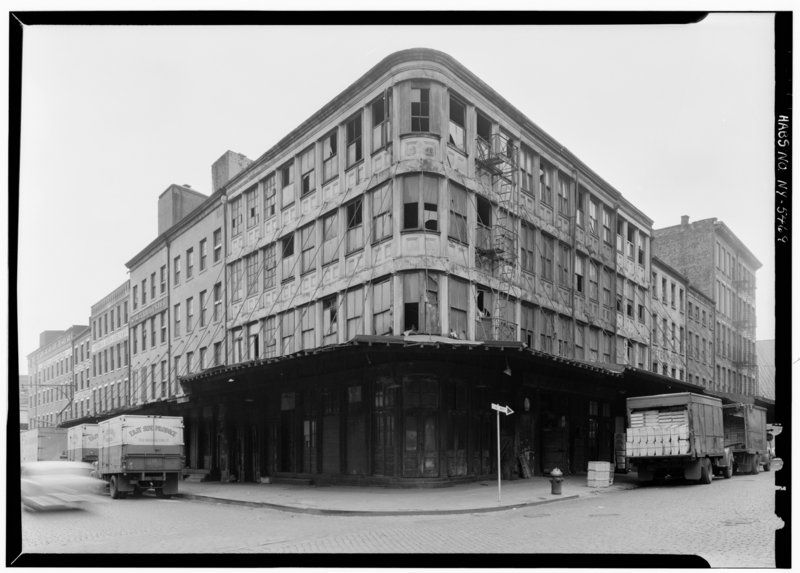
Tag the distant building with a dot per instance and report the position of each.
(765, 355)
(51, 368)
(668, 321)
(82, 361)
(721, 267)
(105, 391)
(24, 393)
(700, 319)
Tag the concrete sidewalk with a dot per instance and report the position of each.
(352, 500)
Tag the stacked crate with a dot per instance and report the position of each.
(600, 474)
(657, 433)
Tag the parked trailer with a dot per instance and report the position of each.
(82, 443)
(137, 453)
(746, 436)
(43, 445)
(678, 435)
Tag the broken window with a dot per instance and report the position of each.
(250, 197)
(420, 110)
(593, 216)
(330, 165)
(457, 124)
(287, 187)
(527, 332)
(484, 131)
(631, 240)
(563, 265)
(353, 138)
(484, 309)
(355, 226)
(307, 181)
(629, 298)
(330, 238)
(330, 311)
(457, 290)
(593, 291)
(579, 274)
(420, 202)
(236, 216)
(252, 273)
(287, 257)
(421, 302)
(546, 181)
(382, 120)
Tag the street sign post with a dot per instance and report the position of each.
(507, 411)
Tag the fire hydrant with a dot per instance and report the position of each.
(555, 481)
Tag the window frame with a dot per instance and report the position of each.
(421, 119)
(354, 140)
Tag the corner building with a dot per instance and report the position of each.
(418, 205)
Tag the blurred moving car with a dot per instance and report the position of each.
(58, 485)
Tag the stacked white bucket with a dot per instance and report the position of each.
(657, 433)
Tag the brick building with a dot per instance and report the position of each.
(104, 392)
(51, 369)
(81, 378)
(721, 267)
(24, 397)
(700, 319)
(668, 324)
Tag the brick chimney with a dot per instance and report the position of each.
(175, 203)
(226, 168)
(684, 220)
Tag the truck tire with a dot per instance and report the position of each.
(754, 464)
(705, 472)
(767, 466)
(727, 471)
(112, 488)
(160, 493)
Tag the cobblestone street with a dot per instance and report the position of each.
(729, 523)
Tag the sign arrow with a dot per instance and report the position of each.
(504, 409)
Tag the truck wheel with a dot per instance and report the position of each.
(705, 472)
(767, 466)
(727, 471)
(112, 488)
(160, 493)
(754, 464)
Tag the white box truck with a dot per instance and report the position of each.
(679, 434)
(43, 445)
(82, 443)
(136, 453)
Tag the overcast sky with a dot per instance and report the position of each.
(679, 119)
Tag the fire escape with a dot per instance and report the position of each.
(496, 244)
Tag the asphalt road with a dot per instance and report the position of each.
(730, 523)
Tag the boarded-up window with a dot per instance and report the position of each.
(458, 299)
(382, 307)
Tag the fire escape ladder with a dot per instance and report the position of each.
(497, 245)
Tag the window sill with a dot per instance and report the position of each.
(354, 251)
(426, 231)
(457, 149)
(284, 207)
(358, 163)
(334, 178)
(458, 241)
(309, 194)
(420, 134)
(382, 240)
(385, 147)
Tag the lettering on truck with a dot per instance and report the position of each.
(152, 428)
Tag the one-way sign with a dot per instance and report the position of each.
(504, 409)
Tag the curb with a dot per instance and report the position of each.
(362, 513)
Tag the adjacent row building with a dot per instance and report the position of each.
(346, 306)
